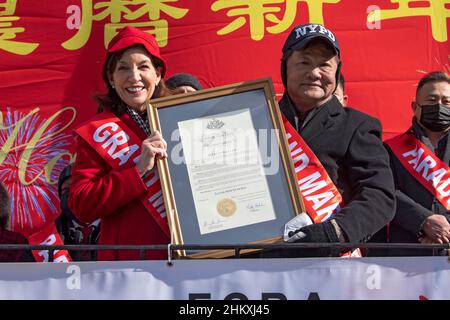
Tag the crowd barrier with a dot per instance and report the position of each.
(414, 278)
(435, 249)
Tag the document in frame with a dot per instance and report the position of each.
(225, 170)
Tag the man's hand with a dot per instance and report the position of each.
(436, 229)
(318, 232)
(427, 240)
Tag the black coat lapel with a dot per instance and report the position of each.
(287, 109)
(323, 120)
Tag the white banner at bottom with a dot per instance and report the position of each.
(413, 278)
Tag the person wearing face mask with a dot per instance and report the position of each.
(420, 160)
(114, 177)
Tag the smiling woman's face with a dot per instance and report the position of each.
(311, 75)
(135, 78)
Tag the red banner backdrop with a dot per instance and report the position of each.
(51, 54)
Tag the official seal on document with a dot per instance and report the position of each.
(226, 207)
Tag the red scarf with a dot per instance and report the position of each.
(120, 147)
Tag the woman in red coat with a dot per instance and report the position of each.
(114, 177)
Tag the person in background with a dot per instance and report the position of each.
(114, 177)
(183, 83)
(420, 160)
(340, 91)
(8, 236)
(347, 143)
(71, 229)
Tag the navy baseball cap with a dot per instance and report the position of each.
(303, 34)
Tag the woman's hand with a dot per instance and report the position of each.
(154, 147)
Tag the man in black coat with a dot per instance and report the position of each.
(421, 217)
(347, 142)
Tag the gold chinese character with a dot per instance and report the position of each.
(436, 10)
(119, 11)
(254, 9)
(8, 32)
(315, 11)
(258, 11)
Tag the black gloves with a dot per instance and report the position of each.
(318, 232)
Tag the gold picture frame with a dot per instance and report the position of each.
(225, 201)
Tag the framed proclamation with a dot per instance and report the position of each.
(228, 178)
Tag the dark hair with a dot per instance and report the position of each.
(65, 174)
(5, 207)
(435, 76)
(342, 82)
(110, 100)
(183, 79)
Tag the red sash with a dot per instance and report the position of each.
(120, 147)
(423, 165)
(320, 196)
(48, 236)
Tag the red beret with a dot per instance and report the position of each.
(130, 36)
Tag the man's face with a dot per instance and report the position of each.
(311, 75)
(431, 93)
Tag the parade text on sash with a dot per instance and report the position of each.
(423, 165)
(48, 236)
(320, 196)
(120, 147)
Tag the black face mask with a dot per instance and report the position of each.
(435, 117)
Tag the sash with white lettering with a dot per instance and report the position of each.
(423, 165)
(320, 196)
(48, 236)
(120, 147)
